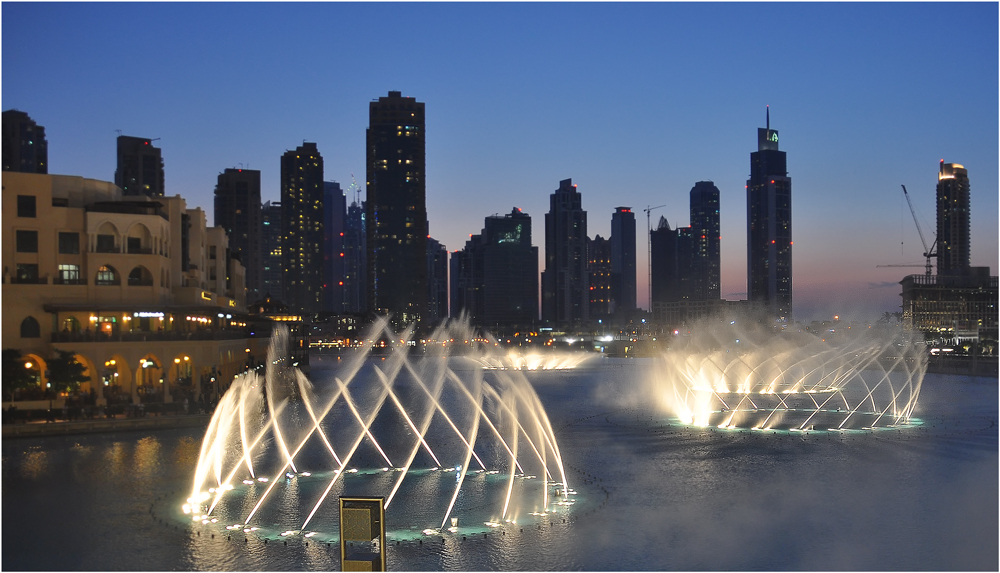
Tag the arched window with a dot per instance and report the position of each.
(107, 276)
(140, 276)
(139, 240)
(30, 328)
(107, 239)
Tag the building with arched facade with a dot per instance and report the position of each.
(144, 294)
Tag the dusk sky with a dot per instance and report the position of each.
(634, 102)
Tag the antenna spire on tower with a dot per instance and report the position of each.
(768, 117)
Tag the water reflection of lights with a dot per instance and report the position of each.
(515, 360)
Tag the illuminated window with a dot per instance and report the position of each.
(106, 276)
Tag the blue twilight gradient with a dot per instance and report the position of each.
(635, 102)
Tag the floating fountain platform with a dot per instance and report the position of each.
(740, 375)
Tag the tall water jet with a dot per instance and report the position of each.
(435, 435)
(746, 374)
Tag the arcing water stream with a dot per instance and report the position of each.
(279, 448)
(741, 375)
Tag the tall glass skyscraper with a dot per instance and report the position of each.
(354, 259)
(437, 281)
(953, 251)
(140, 167)
(565, 292)
(334, 213)
(396, 209)
(24, 146)
(623, 259)
(302, 245)
(599, 273)
(769, 227)
(671, 253)
(238, 211)
(510, 271)
(706, 237)
(271, 274)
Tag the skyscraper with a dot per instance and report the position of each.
(953, 252)
(623, 259)
(272, 273)
(671, 258)
(769, 227)
(140, 167)
(494, 279)
(24, 146)
(706, 237)
(467, 282)
(437, 281)
(238, 211)
(510, 271)
(396, 208)
(302, 228)
(334, 213)
(565, 292)
(599, 273)
(355, 268)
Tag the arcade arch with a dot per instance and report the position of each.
(30, 328)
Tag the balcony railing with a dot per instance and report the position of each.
(104, 249)
(69, 281)
(140, 251)
(137, 336)
(140, 282)
(29, 280)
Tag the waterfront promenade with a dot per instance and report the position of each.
(118, 423)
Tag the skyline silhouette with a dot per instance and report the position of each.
(634, 102)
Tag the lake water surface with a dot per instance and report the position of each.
(652, 495)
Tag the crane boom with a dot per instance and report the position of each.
(928, 252)
(915, 222)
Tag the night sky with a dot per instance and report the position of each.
(634, 102)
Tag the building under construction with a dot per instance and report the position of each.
(956, 309)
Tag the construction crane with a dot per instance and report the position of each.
(928, 252)
(649, 254)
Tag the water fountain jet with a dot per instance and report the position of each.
(747, 375)
(298, 439)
